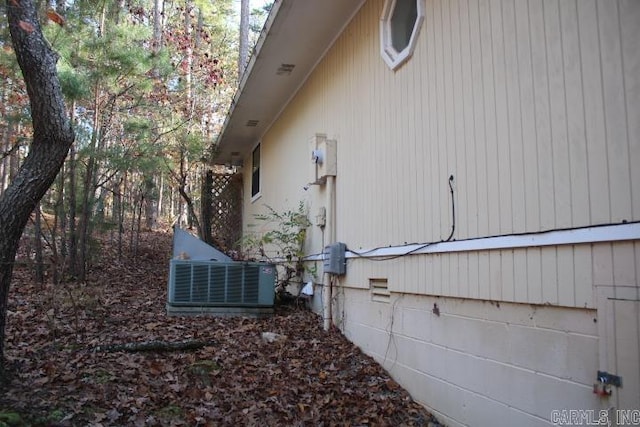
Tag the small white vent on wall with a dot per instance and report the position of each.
(379, 290)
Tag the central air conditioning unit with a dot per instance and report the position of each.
(218, 285)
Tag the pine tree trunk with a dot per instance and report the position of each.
(4, 179)
(244, 37)
(14, 159)
(150, 203)
(121, 212)
(138, 224)
(59, 225)
(157, 25)
(85, 213)
(4, 140)
(161, 197)
(73, 237)
(60, 218)
(52, 137)
(205, 206)
(37, 245)
(84, 226)
(188, 31)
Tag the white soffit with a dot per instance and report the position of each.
(296, 36)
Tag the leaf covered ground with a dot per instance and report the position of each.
(57, 377)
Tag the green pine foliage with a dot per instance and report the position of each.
(146, 111)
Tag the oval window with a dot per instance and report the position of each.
(399, 28)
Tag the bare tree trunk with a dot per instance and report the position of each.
(59, 222)
(6, 161)
(119, 6)
(84, 227)
(158, 7)
(73, 236)
(161, 197)
(14, 160)
(182, 180)
(87, 197)
(5, 145)
(188, 56)
(121, 211)
(60, 216)
(138, 224)
(205, 205)
(172, 201)
(136, 215)
(37, 245)
(52, 137)
(244, 37)
(153, 198)
(192, 216)
(150, 202)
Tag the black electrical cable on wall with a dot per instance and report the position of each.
(453, 210)
(365, 254)
(425, 245)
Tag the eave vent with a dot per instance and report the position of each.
(252, 123)
(285, 69)
(379, 290)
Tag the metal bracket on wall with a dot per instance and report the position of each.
(604, 381)
(609, 379)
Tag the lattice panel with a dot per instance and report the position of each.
(224, 191)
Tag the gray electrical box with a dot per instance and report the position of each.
(334, 261)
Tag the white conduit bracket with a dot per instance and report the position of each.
(586, 235)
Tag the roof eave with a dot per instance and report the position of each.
(297, 33)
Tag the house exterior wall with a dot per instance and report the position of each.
(533, 107)
(480, 363)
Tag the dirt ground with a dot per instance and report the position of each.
(65, 371)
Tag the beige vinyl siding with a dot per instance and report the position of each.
(557, 276)
(503, 130)
(533, 106)
(630, 30)
(563, 275)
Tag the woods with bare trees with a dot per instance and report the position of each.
(52, 136)
(143, 86)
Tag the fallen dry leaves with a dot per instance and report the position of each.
(58, 378)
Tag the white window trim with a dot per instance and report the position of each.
(256, 196)
(393, 58)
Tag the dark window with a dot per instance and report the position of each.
(255, 171)
(403, 19)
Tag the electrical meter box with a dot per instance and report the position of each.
(323, 158)
(334, 260)
(328, 165)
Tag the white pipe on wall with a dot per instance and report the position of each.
(330, 233)
(577, 236)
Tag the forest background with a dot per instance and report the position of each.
(147, 84)
(141, 87)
